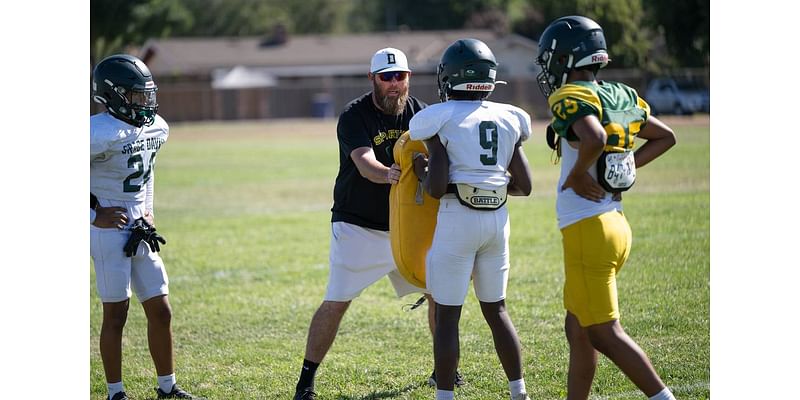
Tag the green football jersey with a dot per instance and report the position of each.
(618, 107)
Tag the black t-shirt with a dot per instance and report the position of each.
(357, 200)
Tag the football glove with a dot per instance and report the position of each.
(141, 230)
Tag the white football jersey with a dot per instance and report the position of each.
(479, 136)
(122, 158)
(570, 207)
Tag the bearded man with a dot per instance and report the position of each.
(360, 250)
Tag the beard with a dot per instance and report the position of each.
(390, 105)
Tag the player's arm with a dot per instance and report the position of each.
(438, 176)
(106, 217)
(148, 200)
(370, 168)
(591, 141)
(660, 138)
(520, 184)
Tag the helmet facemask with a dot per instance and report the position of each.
(441, 83)
(138, 105)
(546, 79)
(556, 67)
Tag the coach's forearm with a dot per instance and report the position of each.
(368, 166)
(375, 173)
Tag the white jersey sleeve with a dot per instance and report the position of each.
(122, 158)
(426, 123)
(148, 198)
(524, 122)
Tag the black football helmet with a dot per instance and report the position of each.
(125, 85)
(467, 65)
(568, 43)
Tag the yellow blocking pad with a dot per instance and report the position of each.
(412, 214)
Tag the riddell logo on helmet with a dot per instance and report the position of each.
(599, 58)
(479, 86)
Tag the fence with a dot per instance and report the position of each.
(325, 97)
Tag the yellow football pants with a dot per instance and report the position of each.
(595, 249)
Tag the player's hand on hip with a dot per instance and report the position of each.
(110, 217)
(393, 174)
(585, 186)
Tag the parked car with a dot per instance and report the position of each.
(677, 96)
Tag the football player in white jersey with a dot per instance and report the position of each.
(476, 160)
(124, 245)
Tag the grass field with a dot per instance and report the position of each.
(246, 210)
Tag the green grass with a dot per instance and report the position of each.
(245, 208)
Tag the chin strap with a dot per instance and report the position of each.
(554, 142)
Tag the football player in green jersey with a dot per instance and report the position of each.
(593, 129)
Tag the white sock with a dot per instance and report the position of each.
(664, 394)
(114, 388)
(445, 394)
(166, 382)
(516, 387)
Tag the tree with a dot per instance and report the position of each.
(684, 25)
(117, 24)
(622, 22)
(389, 15)
(648, 34)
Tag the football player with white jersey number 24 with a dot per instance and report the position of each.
(476, 160)
(124, 244)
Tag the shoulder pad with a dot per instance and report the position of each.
(576, 92)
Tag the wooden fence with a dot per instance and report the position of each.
(325, 97)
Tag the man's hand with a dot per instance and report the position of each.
(393, 174)
(585, 186)
(110, 217)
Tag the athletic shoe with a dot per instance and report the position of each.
(176, 393)
(521, 396)
(305, 394)
(458, 382)
(120, 396)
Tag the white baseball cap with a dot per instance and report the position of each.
(388, 60)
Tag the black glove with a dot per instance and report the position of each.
(141, 230)
(138, 233)
(153, 238)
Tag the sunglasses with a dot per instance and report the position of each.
(388, 76)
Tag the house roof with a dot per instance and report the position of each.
(313, 55)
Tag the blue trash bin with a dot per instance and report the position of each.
(322, 105)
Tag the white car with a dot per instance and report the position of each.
(671, 96)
